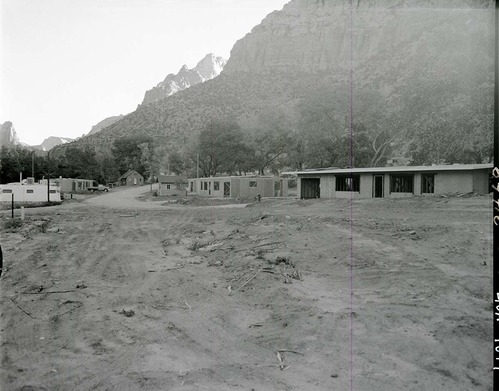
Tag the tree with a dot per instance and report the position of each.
(271, 142)
(221, 149)
(128, 153)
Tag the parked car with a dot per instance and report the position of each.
(98, 188)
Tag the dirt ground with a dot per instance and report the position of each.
(281, 295)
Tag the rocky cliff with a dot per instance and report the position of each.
(208, 68)
(336, 35)
(8, 135)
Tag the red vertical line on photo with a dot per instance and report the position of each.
(495, 188)
(351, 161)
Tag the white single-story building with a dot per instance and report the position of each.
(173, 185)
(28, 194)
(385, 182)
(238, 186)
(69, 185)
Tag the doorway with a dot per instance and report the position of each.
(226, 189)
(310, 188)
(378, 186)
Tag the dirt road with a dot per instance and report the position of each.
(282, 295)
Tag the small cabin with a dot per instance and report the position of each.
(131, 178)
(172, 185)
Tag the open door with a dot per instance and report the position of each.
(378, 190)
(226, 189)
(310, 188)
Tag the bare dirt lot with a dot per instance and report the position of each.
(280, 295)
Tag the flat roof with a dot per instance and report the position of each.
(445, 167)
(234, 176)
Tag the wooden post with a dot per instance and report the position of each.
(12, 205)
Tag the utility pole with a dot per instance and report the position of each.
(48, 176)
(33, 165)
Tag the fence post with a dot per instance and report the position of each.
(12, 205)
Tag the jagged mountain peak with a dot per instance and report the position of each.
(206, 69)
(51, 142)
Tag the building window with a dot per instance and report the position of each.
(253, 184)
(347, 182)
(168, 187)
(7, 191)
(401, 183)
(427, 183)
(192, 186)
(52, 191)
(206, 185)
(29, 191)
(216, 185)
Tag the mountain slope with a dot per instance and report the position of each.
(411, 65)
(105, 122)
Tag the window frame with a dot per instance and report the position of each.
(348, 182)
(402, 183)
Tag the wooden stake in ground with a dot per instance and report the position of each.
(18, 306)
(246, 283)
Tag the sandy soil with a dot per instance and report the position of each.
(112, 293)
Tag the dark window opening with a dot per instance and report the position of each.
(428, 183)
(29, 191)
(7, 191)
(402, 183)
(253, 184)
(216, 185)
(347, 182)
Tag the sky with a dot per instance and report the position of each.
(68, 64)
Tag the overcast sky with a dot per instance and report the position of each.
(68, 64)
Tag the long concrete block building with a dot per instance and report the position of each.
(385, 182)
(238, 186)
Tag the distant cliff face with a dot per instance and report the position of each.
(8, 135)
(105, 122)
(335, 35)
(51, 142)
(208, 68)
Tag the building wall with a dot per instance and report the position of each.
(69, 185)
(417, 183)
(130, 180)
(366, 186)
(481, 181)
(453, 182)
(174, 189)
(235, 188)
(239, 187)
(445, 182)
(28, 193)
